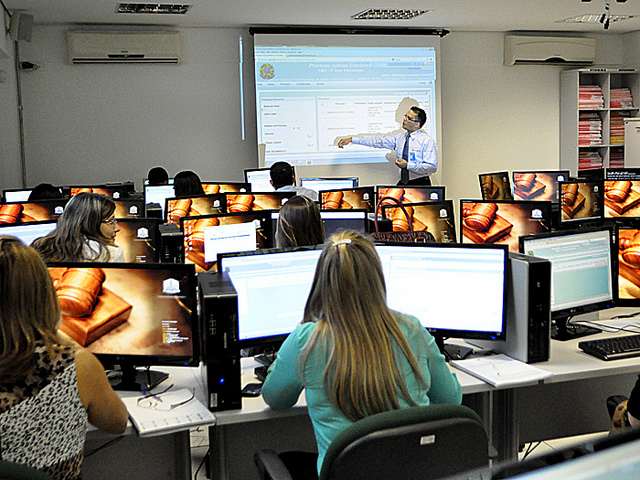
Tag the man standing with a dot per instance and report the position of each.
(416, 152)
(283, 181)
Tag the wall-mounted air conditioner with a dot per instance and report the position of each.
(122, 47)
(531, 50)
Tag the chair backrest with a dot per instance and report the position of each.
(432, 442)
(19, 471)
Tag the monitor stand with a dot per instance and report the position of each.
(562, 330)
(135, 380)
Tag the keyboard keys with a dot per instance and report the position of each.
(612, 348)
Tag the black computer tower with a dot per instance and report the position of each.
(528, 311)
(218, 314)
(171, 244)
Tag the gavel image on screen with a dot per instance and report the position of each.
(10, 212)
(481, 216)
(196, 236)
(78, 190)
(179, 208)
(526, 181)
(569, 194)
(333, 200)
(394, 193)
(211, 189)
(401, 222)
(618, 191)
(487, 185)
(78, 290)
(630, 250)
(241, 203)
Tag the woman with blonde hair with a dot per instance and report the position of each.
(299, 223)
(86, 232)
(353, 355)
(48, 388)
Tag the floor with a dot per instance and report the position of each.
(542, 448)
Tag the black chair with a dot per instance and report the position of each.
(431, 442)
(19, 471)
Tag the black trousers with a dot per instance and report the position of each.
(418, 181)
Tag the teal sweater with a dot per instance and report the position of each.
(284, 382)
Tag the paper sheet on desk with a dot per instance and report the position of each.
(501, 370)
(150, 421)
(615, 325)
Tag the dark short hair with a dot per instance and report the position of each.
(45, 191)
(158, 176)
(422, 115)
(281, 174)
(187, 183)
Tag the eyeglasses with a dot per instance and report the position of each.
(113, 221)
(167, 401)
(412, 120)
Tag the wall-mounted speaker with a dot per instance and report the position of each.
(20, 26)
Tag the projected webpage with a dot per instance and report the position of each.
(307, 97)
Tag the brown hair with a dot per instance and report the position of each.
(299, 223)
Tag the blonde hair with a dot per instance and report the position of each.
(29, 309)
(354, 323)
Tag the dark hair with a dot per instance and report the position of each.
(187, 183)
(158, 176)
(422, 115)
(281, 174)
(80, 221)
(299, 223)
(45, 191)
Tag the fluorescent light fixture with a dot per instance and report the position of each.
(388, 14)
(153, 8)
(595, 18)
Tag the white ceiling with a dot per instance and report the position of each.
(454, 15)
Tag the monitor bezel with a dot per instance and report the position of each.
(580, 222)
(492, 174)
(213, 196)
(365, 189)
(566, 173)
(622, 302)
(447, 204)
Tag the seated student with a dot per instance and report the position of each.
(45, 191)
(86, 232)
(48, 388)
(158, 176)
(282, 181)
(187, 183)
(299, 223)
(353, 355)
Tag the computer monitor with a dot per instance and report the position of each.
(347, 198)
(27, 232)
(627, 276)
(146, 181)
(158, 194)
(247, 202)
(425, 280)
(434, 217)
(226, 187)
(503, 221)
(12, 195)
(27, 212)
(115, 191)
(391, 195)
(592, 174)
(622, 200)
(136, 314)
(581, 203)
(129, 208)
(495, 186)
(138, 238)
(538, 184)
(259, 179)
(192, 206)
(335, 221)
(582, 271)
(328, 183)
(629, 173)
(206, 236)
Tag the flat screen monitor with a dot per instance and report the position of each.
(146, 181)
(436, 218)
(622, 200)
(582, 266)
(114, 191)
(273, 286)
(27, 232)
(627, 277)
(158, 194)
(178, 207)
(495, 186)
(503, 221)
(154, 323)
(335, 221)
(622, 174)
(592, 174)
(16, 195)
(247, 202)
(581, 203)
(225, 187)
(138, 238)
(259, 179)
(347, 198)
(207, 236)
(392, 195)
(538, 185)
(129, 208)
(27, 212)
(328, 183)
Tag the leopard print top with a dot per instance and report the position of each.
(42, 420)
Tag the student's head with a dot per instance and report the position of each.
(45, 191)
(299, 223)
(29, 308)
(187, 183)
(281, 175)
(158, 176)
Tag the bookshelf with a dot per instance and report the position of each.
(592, 128)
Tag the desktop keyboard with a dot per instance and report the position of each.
(613, 348)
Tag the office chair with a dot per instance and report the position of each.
(20, 471)
(431, 442)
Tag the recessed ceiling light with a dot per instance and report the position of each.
(388, 14)
(153, 8)
(595, 18)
